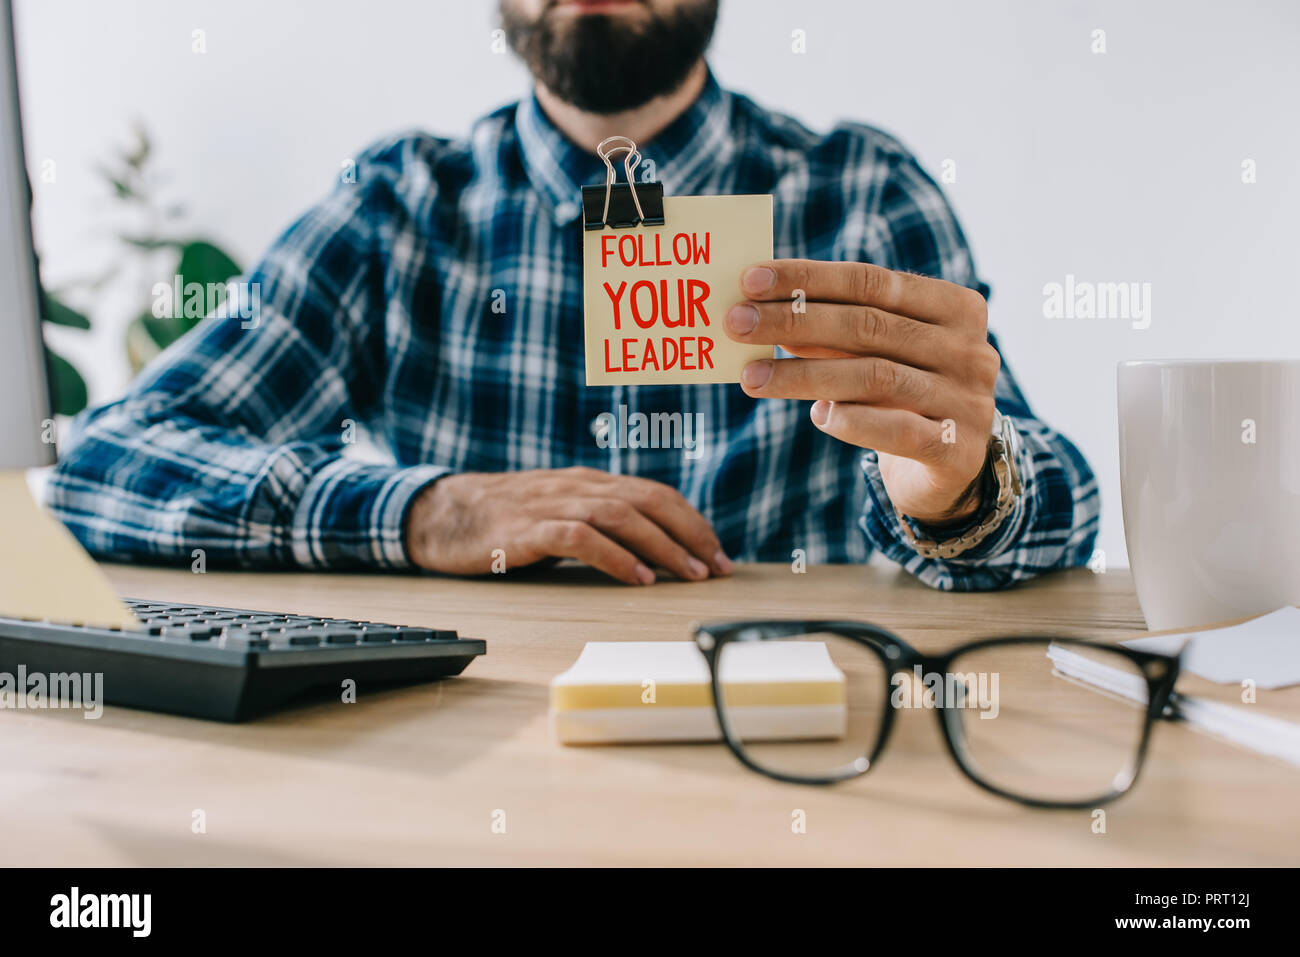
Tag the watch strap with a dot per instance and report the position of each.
(1001, 465)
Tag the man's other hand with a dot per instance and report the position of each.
(894, 362)
(623, 525)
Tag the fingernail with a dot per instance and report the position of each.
(725, 565)
(820, 412)
(742, 318)
(696, 568)
(644, 575)
(756, 374)
(758, 279)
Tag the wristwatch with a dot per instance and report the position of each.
(1000, 468)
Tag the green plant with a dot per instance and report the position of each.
(198, 261)
(151, 251)
(67, 387)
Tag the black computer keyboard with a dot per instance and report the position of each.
(230, 664)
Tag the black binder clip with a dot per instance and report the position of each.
(621, 205)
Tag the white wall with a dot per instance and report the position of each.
(1118, 167)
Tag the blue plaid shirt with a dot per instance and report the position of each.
(435, 304)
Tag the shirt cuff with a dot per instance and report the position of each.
(354, 513)
(883, 528)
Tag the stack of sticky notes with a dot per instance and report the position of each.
(627, 691)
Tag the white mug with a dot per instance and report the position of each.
(1209, 461)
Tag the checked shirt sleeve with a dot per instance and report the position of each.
(232, 441)
(1055, 523)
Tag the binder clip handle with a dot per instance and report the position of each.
(651, 214)
(631, 158)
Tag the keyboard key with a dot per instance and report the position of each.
(188, 631)
(241, 632)
(244, 641)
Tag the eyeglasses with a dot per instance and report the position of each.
(1048, 722)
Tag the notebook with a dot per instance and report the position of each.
(1264, 650)
(637, 691)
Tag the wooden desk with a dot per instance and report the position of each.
(414, 776)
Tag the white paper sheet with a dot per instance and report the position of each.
(1265, 650)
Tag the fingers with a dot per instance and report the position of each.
(623, 522)
(578, 540)
(892, 431)
(873, 381)
(921, 297)
(668, 509)
(835, 330)
(663, 507)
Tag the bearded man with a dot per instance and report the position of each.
(889, 423)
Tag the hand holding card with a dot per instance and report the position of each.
(891, 361)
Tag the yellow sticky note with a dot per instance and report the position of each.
(44, 572)
(654, 297)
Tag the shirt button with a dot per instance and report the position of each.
(599, 428)
(566, 211)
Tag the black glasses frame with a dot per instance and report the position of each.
(896, 655)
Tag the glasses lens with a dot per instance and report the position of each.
(1054, 722)
(809, 706)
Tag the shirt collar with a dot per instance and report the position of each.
(684, 154)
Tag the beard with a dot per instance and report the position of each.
(602, 64)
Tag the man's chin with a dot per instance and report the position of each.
(611, 57)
